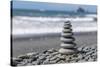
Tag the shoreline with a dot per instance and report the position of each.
(30, 36)
(22, 46)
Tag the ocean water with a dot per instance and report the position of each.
(39, 22)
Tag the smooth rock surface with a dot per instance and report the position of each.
(67, 26)
(67, 31)
(66, 34)
(68, 45)
(66, 51)
(67, 39)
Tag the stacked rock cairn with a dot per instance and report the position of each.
(67, 40)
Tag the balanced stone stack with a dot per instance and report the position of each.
(67, 40)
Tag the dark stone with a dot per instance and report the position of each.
(24, 57)
(14, 63)
(17, 59)
(46, 61)
(42, 57)
(53, 58)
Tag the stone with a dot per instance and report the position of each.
(68, 22)
(69, 34)
(44, 51)
(48, 57)
(17, 59)
(32, 54)
(57, 60)
(79, 48)
(43, 57)
(61, 57)
(20, 65)
(75, 55)
(55, 53)
(35, 63)
(67, 45)
(29, 64)
(53, 58)
(67, 26)
(86, 49)
(23, 56)
(52, 62)
(25, 61)
(67, 39)
(46, 61)
(14, 63)
(51, 50)
(67, 30)
(61, 61)
(66, 51)
(34, 58)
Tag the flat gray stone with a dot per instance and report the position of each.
(68, 45)
(67, 30)
(32, 54)
(61, 57)
(17, 59)
(53, 62)
(67, 39)
(66, 51)
(42, 57)
(53, 58)
(66, 34)
(35, 63)
(55, 53)
(51, 50)
(46, 61)
(68, 22)
(67, 26)
(24, 57)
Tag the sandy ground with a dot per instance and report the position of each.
(23, 46)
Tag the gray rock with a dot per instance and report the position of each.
(43, 57)
(44, 51)
(66, 51)
(35, 63)
(66, 40)
(29, 64)
(68, 22)
(23, 57)
(80, 48)
(61, 61)
(32, 54)
(34, 58)
(54, 53)
(25, 61)
(67, 34)
(67, 30)
(61, 57)
(53, 58)
(21, 64)
(17, 59)
(46, 61)
(67, 45)
(67, 26)
(51, 50)
(15, 63)
(52, 62)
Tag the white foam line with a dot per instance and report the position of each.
(53, 19)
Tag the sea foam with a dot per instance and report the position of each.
(23, 25)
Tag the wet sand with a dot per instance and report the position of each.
(22, 46)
